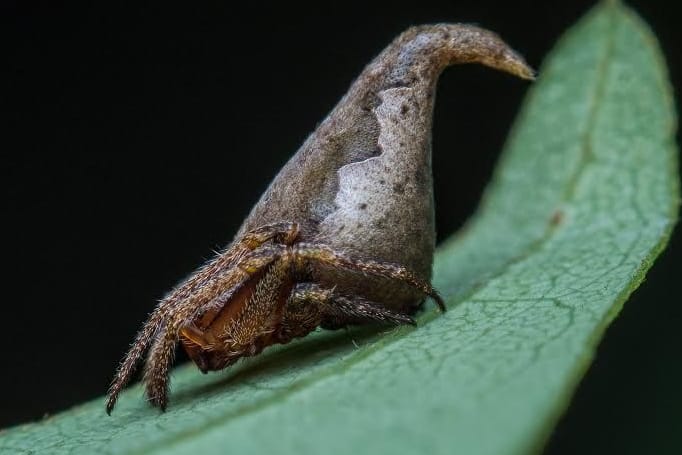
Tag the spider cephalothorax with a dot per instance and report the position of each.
(344, 235)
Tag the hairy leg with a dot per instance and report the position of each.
(209, 283)
(307, 253)
(346, 310)
(311, 305)
(264, 309)
(161, 353)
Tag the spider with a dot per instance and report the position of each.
(343, 236)
(256, 293)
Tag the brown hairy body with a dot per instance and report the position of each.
(343, 236)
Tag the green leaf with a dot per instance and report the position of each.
(584, 199)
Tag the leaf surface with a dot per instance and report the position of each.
(584, 199)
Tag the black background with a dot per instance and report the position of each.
(137, 138)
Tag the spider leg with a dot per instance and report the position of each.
(159, 359)
(210, 281)
(345, 310)
(265, 307)
(284, 232)
(159, 331)
(311, 305)
(303, 311)
(161, 353)
(323, 254)
(129, 363)
(244, 325)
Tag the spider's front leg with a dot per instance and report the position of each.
(220, 278)
(248, 322)
(250, 283)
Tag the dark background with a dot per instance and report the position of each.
(138, 137)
